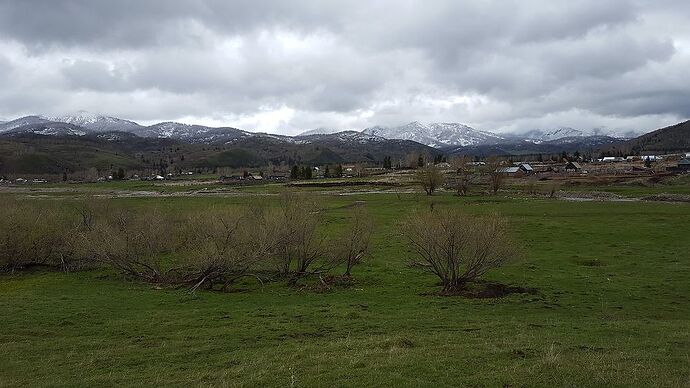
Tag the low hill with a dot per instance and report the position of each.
(675, 138)
(523, 147)
(53, 152)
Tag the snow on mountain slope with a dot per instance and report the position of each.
(319, 131)
(22, 121)
(436, 134)
(344, 136)
(549, 135)
(48, 129)
(195, 133)
(96, 122)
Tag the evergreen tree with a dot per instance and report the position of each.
(294, 172)
(387, 162)
(307, 172)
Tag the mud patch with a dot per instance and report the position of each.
(487, 290)
(668, 198)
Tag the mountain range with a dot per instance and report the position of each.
(436, 135)
(72, 143)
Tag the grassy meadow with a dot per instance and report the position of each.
(610, 307)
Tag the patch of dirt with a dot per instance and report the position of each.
(668, 198)
(592, 196)
(488, 290)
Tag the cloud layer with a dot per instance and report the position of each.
(286, 67)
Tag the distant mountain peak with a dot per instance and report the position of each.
(436, 135)
(320, 131)
(95, 122)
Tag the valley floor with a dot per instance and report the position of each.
(611, 308)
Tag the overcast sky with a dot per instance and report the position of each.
(288, 66)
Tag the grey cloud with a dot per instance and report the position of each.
(527, 60)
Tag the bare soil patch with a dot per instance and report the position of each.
(482, 289)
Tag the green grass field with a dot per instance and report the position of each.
(612, 308)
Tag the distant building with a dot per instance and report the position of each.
(349, 170)
(443, 165)
(526, 168)
(651, 158)
(573, 167)
(684, 164)
(521, 169)
(508, 170)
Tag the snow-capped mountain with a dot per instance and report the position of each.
(437, 135)
(547, 135)
(48, 128)
(96, 122)
(320, 131)
(343, 136)
(21, 122)
(540, 135)
(193, 133)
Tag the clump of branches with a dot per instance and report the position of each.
(210, 249)
(465, 174)
(301, 249)
(352, 247)
(494, 166)
(34, 234)
(129, 241)
(225, 245)
(552, 189)
(430, 178)
(457, 247)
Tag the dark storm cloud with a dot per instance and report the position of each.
(495, 64)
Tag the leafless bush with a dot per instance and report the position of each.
(129, 241)
(430, 178)
(352, 246)
(493, 167)
(532, 187)
(225, 245)
(32, 234)
(465, 174)
(553, 188)
(298, 245)
(458, 247)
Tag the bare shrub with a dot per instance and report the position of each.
(430, 178)
(552, 188)
(496, 176)
(129, 241)
(352, 246)
(225, 245)
(532, 187)
(465, 174)
(298, 245)
(31, 234)
(457, 247)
